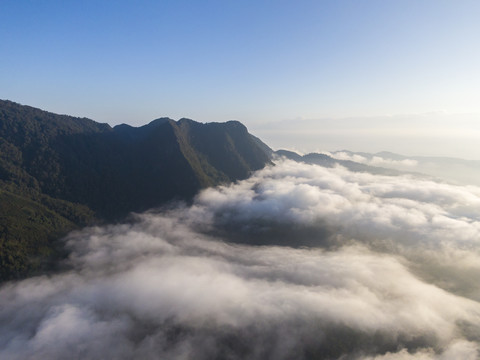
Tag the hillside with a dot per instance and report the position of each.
(59, 172)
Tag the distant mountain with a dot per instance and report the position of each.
(461, 171)
(58, 172)
(328, 161)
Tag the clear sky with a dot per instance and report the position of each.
(318, 68)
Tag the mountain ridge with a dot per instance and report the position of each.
(452, 169)
(75, 171)
(328, 161)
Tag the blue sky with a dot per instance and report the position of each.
(310, 64)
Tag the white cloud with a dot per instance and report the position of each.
(374, 160)
(392, 274)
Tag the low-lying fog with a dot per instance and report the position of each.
(297, 262)
(460, 171)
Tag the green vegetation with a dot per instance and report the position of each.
(59, 172)
(29, 230)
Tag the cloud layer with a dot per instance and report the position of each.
(464, 172)
(375, 267)
(375, 160)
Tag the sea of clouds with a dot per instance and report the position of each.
(459, 171)
(296, 262)
(375, 160)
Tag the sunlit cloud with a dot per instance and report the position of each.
(296, 262)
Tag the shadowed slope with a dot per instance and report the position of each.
(103, 173)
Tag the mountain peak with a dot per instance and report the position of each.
(68, 168)
(159, 121)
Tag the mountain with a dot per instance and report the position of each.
(328, 161)
(454, 170)
(451, 170)
(59, 172)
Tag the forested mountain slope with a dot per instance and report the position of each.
(59, 172)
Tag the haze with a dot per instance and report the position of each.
(341, 74)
